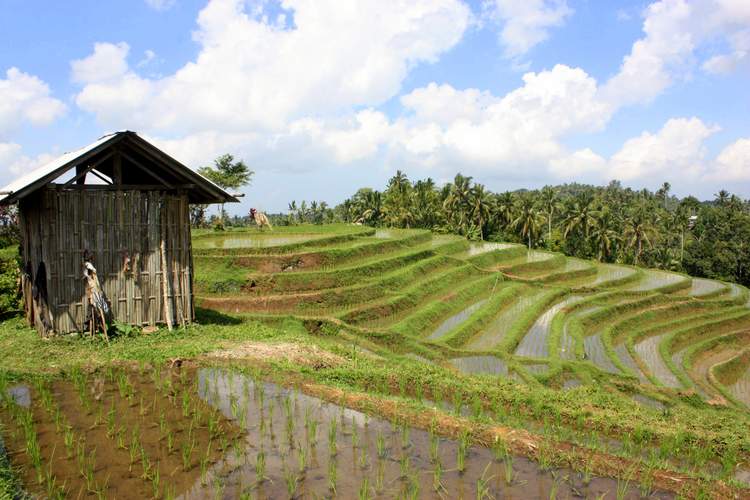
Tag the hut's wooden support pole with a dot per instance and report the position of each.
(164, 279)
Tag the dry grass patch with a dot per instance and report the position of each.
(300, 354)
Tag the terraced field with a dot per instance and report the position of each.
(496, 311)
(492, 308)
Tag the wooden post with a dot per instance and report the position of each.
(164, 269)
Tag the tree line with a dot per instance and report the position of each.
(607, 223)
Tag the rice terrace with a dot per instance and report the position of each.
(352, 361)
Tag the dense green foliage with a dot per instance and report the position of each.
(9, 299)
(610, 224)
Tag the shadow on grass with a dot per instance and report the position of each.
(211, 317)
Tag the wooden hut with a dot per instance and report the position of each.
(119, 206)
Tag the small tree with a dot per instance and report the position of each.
(227, 174)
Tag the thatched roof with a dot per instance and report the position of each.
(128, 162)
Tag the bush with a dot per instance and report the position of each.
(10, 299)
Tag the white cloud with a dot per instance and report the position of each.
(737, 57)
(526, 23)
(14, 162)
(25, 98)
(161, 4)
(107, 63)
(675, 151)
(673, 31)
(733, 163)
(255, 74)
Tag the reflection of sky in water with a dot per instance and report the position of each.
(21, 394)
(252, 241)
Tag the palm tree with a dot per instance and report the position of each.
(580, 217)
(457, 203)
(549, 202)
(528, 220)
(504, 207)
(603, 234)
(479, 203)
(639, 229)
(722, 197)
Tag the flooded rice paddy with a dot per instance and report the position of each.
(595, 352)
(455, 320)
(740, 388)
(535, 343)
(648, 350)
(484, 247)
(217, 433)
(702, 286)
(494, 333)
(611, 272)
(653, 279)
(484, 365)
(253, 240)
(627, 360)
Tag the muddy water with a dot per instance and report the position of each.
(648, 351)
(373, 458)
(534, 343)
(567, 341)
(677, 359)
(493, 334)
(740, 389)
(655, 279)
(252, 240)
(115, 438)
(455, 320)
(610, 272)
(702, 286)
(622, 352)
(486, 365)
(484, 247)
(596, 353)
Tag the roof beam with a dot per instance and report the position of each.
(82, 174)
(145, 169)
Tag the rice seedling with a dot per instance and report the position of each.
(260, 466)
(186, 400)
(380, 445)
(156, 482)
(291, 480)
(508, 470)
(120, 438)
(204, 460)
(483, 484)
(111, 423)
(403, 465)
(405, 439)
(363, 459)
(457, 403)
(355, 437)
(69, 439)
(332, 475)
(364, 489)
(437, 477)
(133, 451)
(187, 454)
(332, 436)
(463, 445)
(170, 441)
(145, 463)
(302, 458)
(623, 484)
(312, 433)
(434, 447)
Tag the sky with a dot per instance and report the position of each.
(322, 97)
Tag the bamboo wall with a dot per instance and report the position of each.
(124, 230)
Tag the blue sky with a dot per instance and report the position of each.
(321, 97)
